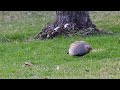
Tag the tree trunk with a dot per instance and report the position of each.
(69, 22)
(80, 18)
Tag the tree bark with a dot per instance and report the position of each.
(69, 22)
(80, 18)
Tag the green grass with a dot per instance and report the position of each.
(49, 57)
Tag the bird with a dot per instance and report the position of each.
(79, 48)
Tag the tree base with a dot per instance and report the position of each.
(68, 29)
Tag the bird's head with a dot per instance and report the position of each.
(88, 48)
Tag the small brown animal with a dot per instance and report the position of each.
(79, 48)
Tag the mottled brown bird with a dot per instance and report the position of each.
(79, 48)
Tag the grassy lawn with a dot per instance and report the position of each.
(49, 58)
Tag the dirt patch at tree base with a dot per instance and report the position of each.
(68, 29)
